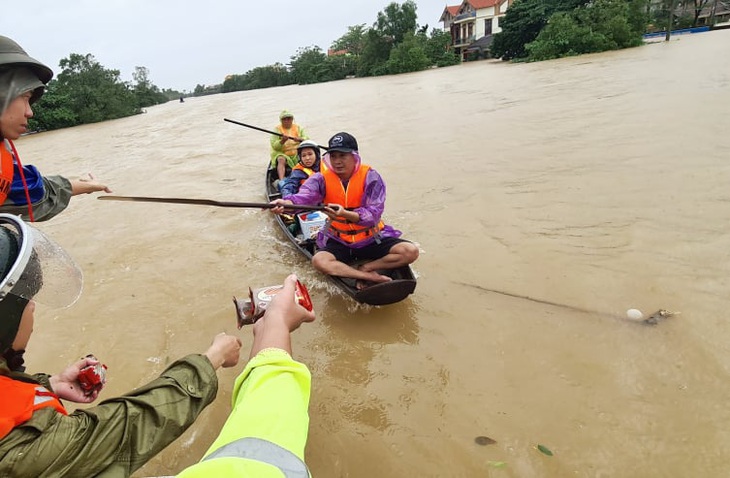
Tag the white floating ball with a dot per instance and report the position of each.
(634, 314)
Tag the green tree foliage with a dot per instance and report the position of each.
(638, 15)
(522, 24)
(53, 111)
(418, 52)
(84, 92)
(352, 41)
(396, 21)
(392, 26)
(147, 93)
(260, 77)
(342, 66)
(96, 93)
(309, 65)
(438, 49)
(599, 26)
(375, 52)
(409, 55)
(171, 94)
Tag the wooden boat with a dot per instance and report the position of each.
(402, 285)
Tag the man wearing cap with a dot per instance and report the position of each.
(38, 436)
(284, 144)
(355, 197)
(23, 190)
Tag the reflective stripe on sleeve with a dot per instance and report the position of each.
(265, 452)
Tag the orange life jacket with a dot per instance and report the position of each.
(290, 147)
(308, 171)
(6, 172)
(18, 401)
(350, 198)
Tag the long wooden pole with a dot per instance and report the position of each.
(210, 202)
(256, 128)
(265, 130)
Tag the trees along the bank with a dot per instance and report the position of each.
(523, 22)
(538, 30)
(86, 92)
(599, 26)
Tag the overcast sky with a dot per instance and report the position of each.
(184, 43)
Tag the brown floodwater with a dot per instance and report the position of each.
(546, 199)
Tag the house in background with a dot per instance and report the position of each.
(715, 13)
(471, 21)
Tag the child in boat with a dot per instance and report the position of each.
(309, 163)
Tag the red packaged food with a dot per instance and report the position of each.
(92, 377)
(251, 310)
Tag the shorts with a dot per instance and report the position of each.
(370, 252)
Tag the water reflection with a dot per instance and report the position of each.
(356, 334)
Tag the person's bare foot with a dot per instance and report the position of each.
(374, 278)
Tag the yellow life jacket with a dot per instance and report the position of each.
(308, 171)
(19, 400)
(350, 198)
(290, 147)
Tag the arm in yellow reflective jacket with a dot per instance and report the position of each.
(270, 402)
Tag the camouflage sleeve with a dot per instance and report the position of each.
(119, 435)
(56, 197)
(44, 379)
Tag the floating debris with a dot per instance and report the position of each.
(484, 441)
(658, 316)
(634, 314)
(544, 450)
(497, 464)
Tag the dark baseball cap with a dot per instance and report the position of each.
(344, 142)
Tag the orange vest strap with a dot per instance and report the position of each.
(307, 171)
(6, 172)
(19, 400)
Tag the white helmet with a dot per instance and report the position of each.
(308, 143)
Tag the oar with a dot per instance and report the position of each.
(210, 202)
(263, 130)
(257, 128)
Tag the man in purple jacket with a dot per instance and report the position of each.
(355, 197)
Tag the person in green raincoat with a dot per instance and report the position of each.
(284, 145)
(38, 436)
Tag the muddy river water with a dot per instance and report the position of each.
(546, 199)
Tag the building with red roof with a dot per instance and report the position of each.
(471, 21)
